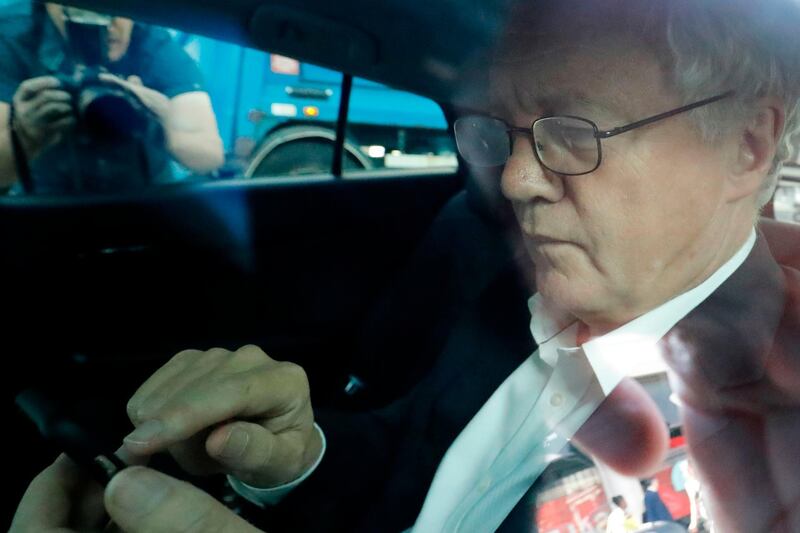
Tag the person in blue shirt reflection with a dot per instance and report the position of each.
(41, 49)
(654, 508)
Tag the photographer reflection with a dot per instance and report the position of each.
(92, 103)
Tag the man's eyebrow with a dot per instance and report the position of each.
(549, 103)
(566, 100)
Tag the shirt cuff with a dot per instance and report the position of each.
(273, 495)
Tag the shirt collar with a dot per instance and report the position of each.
(546, 320)
(631, 349)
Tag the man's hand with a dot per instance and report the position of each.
(739, 388)
(137, 500)
(141, 500)
(152, 99)
(241, 413)
(61, 498)
(741, 418)
(189, 121)
(627, 431)
(42, 113)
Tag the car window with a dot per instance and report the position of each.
(243, 113)
(285, 119)
(397, 131)
(550, 269)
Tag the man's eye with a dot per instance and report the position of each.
(576, 137)
(564, 137)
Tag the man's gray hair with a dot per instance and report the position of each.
(709, 47)
(751, 47)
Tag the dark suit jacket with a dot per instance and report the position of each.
(379, 465)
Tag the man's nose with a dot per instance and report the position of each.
(525, 179)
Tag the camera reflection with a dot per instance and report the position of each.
(91, 103)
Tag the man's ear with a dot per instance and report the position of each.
(758, 143)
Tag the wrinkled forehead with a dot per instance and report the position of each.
(535, 25)
(610, 79)
(550, 51)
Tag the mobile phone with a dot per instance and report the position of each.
(76, 441)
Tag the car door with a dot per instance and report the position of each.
(99, 291)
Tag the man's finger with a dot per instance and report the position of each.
(45, 97)
(61, 124)
(47, 491)
(182, 370)
(241, 446)
(50, 112)
(782, 432)
(627, 431)
(253, 453)
(268, 392)
(176, 366)
(111, 78)
(47, 503)
(30, 88)
(142, 500)
(724, 347)
(124, 455)
(729, 453)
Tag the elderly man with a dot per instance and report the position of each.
(638, 141)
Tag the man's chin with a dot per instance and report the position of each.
(575, 296)
(560, 291)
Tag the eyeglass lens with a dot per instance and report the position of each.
(563, 144)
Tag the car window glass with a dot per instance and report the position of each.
(393, 131)
(143, 105)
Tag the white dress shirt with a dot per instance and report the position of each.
(536, 410)
(540, 406)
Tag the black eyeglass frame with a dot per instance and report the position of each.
(600, 134)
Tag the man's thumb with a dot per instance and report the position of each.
(140, 500)
(627, 432)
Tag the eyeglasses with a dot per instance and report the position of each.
(563, 144)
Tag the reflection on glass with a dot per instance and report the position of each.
(786, 203)
(577, 493)
(97, 104)
(397, 131)
(576, 499)
(105, 104)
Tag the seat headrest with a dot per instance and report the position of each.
(783, 239)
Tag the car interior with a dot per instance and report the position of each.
(357, 280)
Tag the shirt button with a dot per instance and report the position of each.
(556, 399)
(484, 485)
